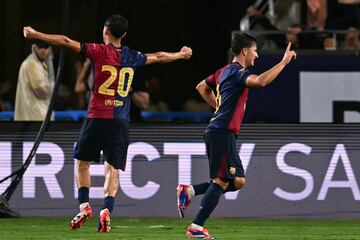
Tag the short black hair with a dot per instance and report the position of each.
(240, 41)
(41, 44)
(117, 24)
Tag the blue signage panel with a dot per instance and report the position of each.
(279, 102)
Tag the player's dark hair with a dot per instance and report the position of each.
(117, 24)
(240, 41)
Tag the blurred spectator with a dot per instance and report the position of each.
(35, 84)
(140, 97)
(84, 81)
(294, 33)
(157, 103)
(342, 15)
(196, 104)
(193, 105)
(349, 1)
(316, 14)
(351, 42)
(5, 104)
(330, 43)
(280, 40)
(64, 99)
(287, 13)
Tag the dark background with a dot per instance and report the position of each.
(156, 25)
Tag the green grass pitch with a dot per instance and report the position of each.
(167, 228)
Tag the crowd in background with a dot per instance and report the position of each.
(323, 24)
(309, 30)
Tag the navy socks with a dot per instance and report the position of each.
(83, 195)
(208, 203)
(109, 203)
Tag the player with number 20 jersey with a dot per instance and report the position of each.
(106, 129)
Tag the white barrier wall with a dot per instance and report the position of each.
(293, 171)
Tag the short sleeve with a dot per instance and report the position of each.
(132, 58)
(92, 50)
(244, 75)
(211, 80)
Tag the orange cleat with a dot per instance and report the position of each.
(82, 216)
(104, 221)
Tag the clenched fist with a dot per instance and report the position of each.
(186, 52)
(29, 32)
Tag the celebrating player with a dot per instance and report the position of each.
(106, 127)
(232, 84)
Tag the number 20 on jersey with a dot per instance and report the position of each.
(123, 75)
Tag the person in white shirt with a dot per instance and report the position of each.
(35, 84)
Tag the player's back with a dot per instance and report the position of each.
(113, 70)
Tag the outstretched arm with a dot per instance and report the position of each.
(267, 77)
(206, 93)
(52, 39)
(165, 57)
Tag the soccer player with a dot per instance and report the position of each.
(232, 84)
(106, 127)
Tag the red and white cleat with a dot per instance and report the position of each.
(104, 221)
(80, 218)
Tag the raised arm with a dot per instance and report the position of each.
(267, 77)
(165, 57)
(206, 93)
(52, 39)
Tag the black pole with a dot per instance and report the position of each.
(5, 210)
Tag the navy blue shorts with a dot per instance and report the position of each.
(224, 160)
(109, 135)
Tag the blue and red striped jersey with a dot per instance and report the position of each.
(231, 97)
(114, 70)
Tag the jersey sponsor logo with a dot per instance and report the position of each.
(111, 102)
(108, 102)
